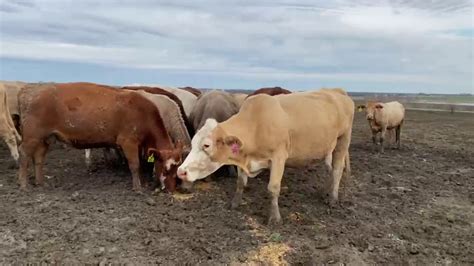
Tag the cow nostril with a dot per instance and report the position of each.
(182, 173)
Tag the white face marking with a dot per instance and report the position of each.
(162, 181)
(198, 164)
(169, 163)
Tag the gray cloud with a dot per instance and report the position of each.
(391, 40)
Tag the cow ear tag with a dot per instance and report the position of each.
(151, 158)
(235, 148)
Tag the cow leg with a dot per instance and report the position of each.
(232, 171)
(130, 150)
(338, 159)
(328, 162)
(88, 158)
(39, 155)
(10, 139)
(397, 137)
(274, 186)
(382, 137)
(374, 137)
(347, 167)
(27, 149)
(242, 179)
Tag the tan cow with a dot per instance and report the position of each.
(187, 98)
(274, 131)
(240, 97)
(383, 117)
(172, 117)
(12, 88)
(7, 128)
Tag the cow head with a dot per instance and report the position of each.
(211, 148)
(372, 108)
(166, 165)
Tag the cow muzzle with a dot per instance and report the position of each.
(182, 174)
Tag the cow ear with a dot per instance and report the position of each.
(379, 106)
(234, 143)
(152, 151)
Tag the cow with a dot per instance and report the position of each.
(12, 88)
(173, 97)
(240, 97)
(270, 91)
(87, 115)
(8, 131)
(383, 117)
(192, 90)
(157, 91)
(274, 132)
(173, 118)
(215, 104)
(187, 98)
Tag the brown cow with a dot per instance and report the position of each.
(272, 91)
(87, 115)
(192, 90)
(152, 90)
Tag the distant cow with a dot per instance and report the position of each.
(272, 132)
(383, 117)
(7, 128)
(86, 115)
(192, 90)
(270, 91)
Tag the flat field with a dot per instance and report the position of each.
(408, 206)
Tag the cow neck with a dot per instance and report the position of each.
(233, 127)
(161, 140)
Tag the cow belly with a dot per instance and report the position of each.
(83, 141)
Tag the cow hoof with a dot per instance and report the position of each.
(331, 202)
(13, 165)
(235, 203)
(138, 190)
(24, 188)
(274, 220)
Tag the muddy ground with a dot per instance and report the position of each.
(409, 206)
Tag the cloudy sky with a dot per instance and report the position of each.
(361, 45)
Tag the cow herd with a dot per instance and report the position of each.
(185, 134)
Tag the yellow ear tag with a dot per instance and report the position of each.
(151, 158)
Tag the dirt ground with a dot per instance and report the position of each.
(409, 206)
